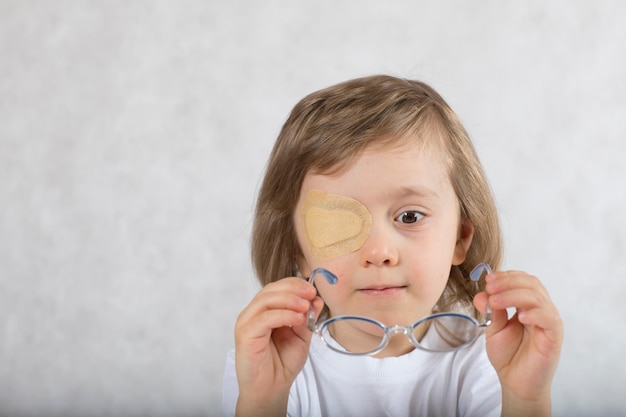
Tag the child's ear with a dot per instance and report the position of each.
(464, 240)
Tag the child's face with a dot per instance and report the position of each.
(397, 275)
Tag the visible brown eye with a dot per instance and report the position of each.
(409, 217)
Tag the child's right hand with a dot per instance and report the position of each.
(271, 345)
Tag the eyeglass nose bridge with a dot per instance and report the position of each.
(397, 329)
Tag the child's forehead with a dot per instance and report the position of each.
(410, 147)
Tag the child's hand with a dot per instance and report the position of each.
(271, 345)
(525, 349)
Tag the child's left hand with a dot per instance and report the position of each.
(524, 349)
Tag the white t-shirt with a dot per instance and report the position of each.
(420, 383)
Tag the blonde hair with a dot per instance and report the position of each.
(328, 129)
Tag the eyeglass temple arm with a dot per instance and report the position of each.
(331, 279)
(475, 275)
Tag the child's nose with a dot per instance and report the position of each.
(379, 248)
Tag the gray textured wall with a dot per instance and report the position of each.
(133, 135)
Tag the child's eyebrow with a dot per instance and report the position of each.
(412, 191)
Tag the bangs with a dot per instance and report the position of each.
(426, 129)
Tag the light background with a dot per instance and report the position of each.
(133, 135)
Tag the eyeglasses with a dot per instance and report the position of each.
(441, 332)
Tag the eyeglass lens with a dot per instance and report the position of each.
(446, 332)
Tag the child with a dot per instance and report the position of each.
(376, 181)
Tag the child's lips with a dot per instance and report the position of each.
(383, 290)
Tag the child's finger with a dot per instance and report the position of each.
(293, 285)
(505, 280)
(261, 326)
(293, 295)
(277, 300)
(516, 289)
(548, 320)
(480, 302)
(261, 313)
(521, 298)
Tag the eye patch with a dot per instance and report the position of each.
(334, 225)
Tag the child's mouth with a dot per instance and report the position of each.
(378, 291)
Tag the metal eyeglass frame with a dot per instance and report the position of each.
(390, 331)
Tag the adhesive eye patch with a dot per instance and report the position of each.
(334, 225)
